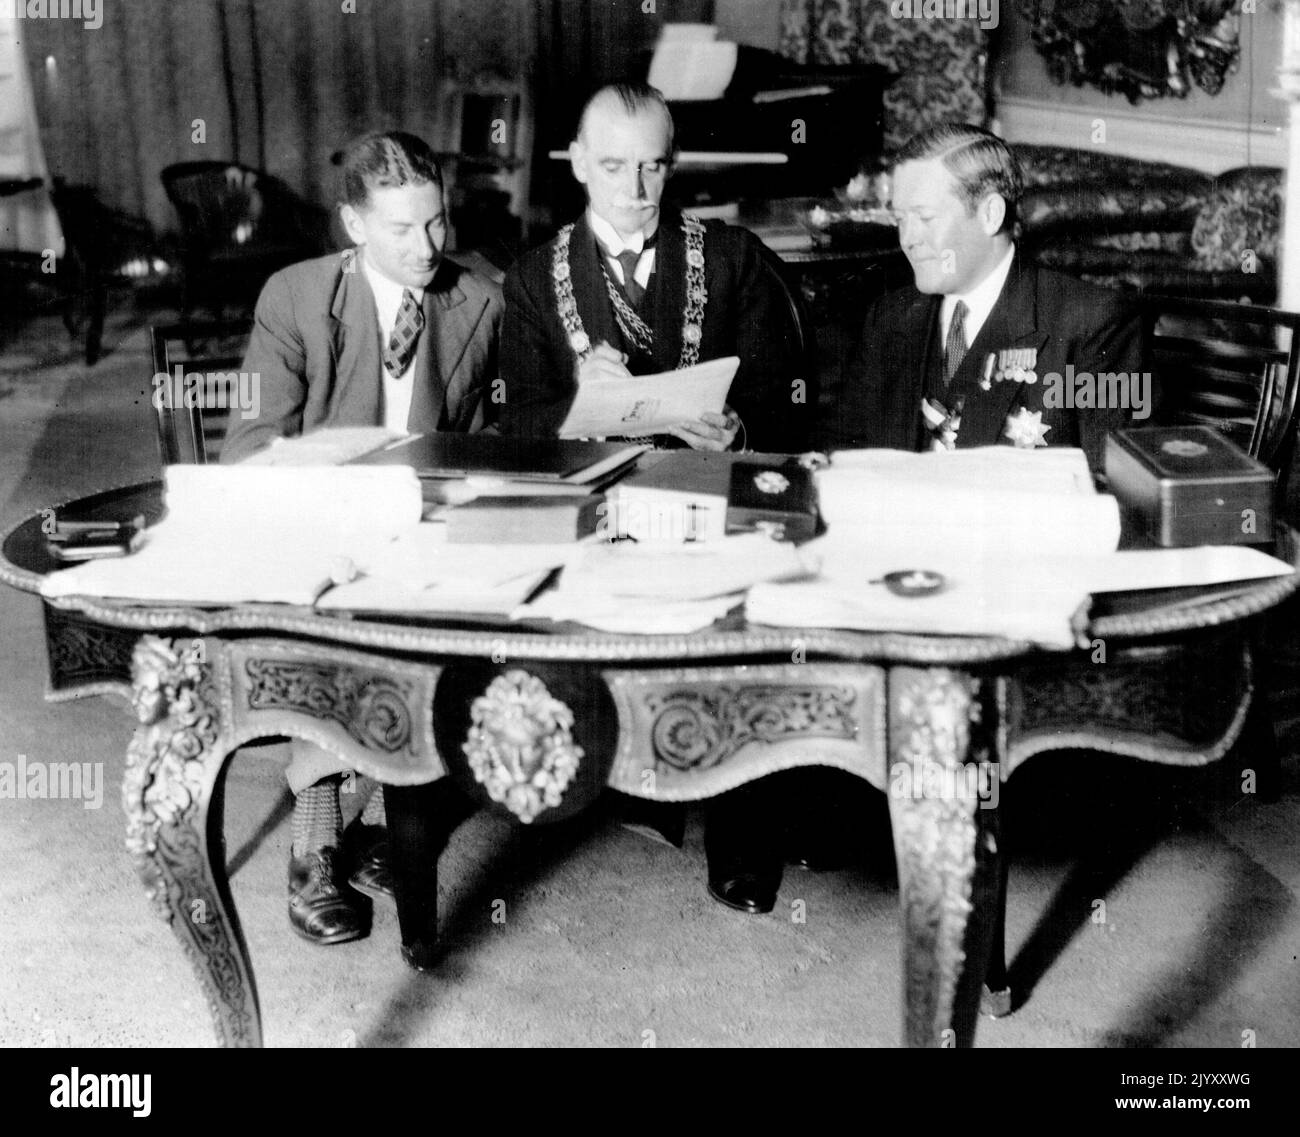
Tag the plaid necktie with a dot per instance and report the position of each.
(629, 260)
(954, 349)
(406, 332)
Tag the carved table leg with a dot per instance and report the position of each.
(173, 811)
(421, 820)
(938, 776)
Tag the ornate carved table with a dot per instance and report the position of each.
(536, 722)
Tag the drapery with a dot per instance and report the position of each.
(28, 222)
(274, 84)
(941, 63)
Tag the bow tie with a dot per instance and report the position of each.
(649, 243)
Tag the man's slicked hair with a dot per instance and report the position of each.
(979, 161)
(383, 159)
(634, 98)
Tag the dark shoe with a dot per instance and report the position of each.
(319, 909)
(746, 892)
(372, 875)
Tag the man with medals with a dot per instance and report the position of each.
(960, 358)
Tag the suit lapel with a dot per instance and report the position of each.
(354, 345)
(913, 346)
(1013, 323)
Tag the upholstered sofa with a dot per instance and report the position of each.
(1151, 226)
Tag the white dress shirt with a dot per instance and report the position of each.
(979, 300)
(388, 302)
(613, 244)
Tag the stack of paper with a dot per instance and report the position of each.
(1021, 539)
(625, 586)
(237, 533)
(1005, 528)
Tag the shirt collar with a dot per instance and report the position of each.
(980, 299)
(388, 290)
(609, 237)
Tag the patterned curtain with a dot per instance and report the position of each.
(278, 84)
(941, 64)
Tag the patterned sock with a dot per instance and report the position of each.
(317, 819)
(374, 814)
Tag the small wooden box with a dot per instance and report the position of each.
(1188, 485)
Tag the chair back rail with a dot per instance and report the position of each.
(191, 429)
(1235, 367)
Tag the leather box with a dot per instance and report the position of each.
(1188, 485)
(778, 496)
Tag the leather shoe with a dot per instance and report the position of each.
(319, 910)
(745, 892)
(372, 876)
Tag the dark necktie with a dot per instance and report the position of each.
(629, 260)
(954, 348)
(406, 334)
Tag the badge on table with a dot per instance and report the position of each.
(1014, 364)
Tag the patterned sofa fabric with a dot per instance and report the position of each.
(1151, 226)
(1242, 219)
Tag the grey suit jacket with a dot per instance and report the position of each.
(316, 349)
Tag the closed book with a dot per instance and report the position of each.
(446, 454)
(1188, 485)
(524, 520)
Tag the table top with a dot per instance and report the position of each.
(1150, 615)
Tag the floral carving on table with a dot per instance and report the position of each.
(1142, 49)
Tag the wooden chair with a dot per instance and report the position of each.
(1235, 367)
(192, 414)
(238, 226)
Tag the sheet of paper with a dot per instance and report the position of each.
(329, 446)
(698, 571)
(236, 534)
(615, 614)
(649, 404)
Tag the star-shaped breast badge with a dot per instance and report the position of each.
(1026, 430)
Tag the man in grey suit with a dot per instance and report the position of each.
(387, 333)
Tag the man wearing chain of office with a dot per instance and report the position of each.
(631, 288)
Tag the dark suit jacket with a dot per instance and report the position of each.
(316, 346)
(1066, 320)
(747, 314)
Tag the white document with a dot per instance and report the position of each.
(329, 446)
(236, 534)
(649, 404)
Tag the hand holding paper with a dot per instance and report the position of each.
(609, 405)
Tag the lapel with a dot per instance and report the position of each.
(913, 349)
(354, 347)
(1013, 322)
(449, 322)
(665, 298)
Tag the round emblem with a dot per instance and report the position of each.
(1184, 448)
(695, 258)
(579, 342)
(561, 271)
(769, 481)
(914, 582)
